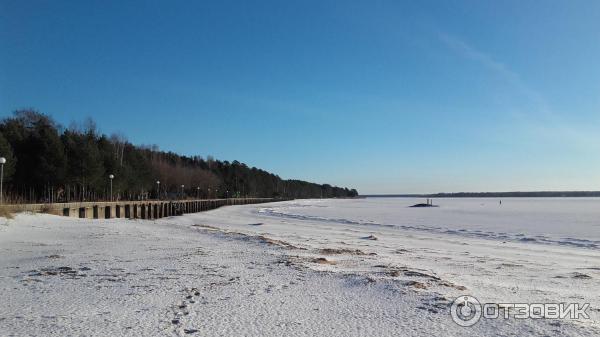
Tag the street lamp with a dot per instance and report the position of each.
(111, 177)
(209, 192)
(2, 162)
(158, 189)
(182, 186)
(197, 192)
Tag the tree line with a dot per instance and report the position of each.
(46, 162)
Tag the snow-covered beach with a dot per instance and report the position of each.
(356, 267)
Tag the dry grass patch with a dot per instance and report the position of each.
(394, 273)
(5, 212)
(452, 285)
(322, 260)
(338, 251)
(276, 242)
(416, 284)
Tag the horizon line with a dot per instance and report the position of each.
(481, 193)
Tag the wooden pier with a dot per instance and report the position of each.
(147, 209)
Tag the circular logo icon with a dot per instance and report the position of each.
(465, 310)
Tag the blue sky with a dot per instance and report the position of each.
(384, 96)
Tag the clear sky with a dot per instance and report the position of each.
(384, 96)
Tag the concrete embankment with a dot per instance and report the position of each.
(147, 209)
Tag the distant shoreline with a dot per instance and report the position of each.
(542, 194)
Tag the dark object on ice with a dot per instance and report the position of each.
(581, 276)
(428, 204)
(424, 205)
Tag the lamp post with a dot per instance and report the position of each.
(111, 177)
(198, 193)
(2, 162)
(158, 189)
(182, 186)
(209, 192)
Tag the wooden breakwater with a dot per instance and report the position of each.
(146, 209)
